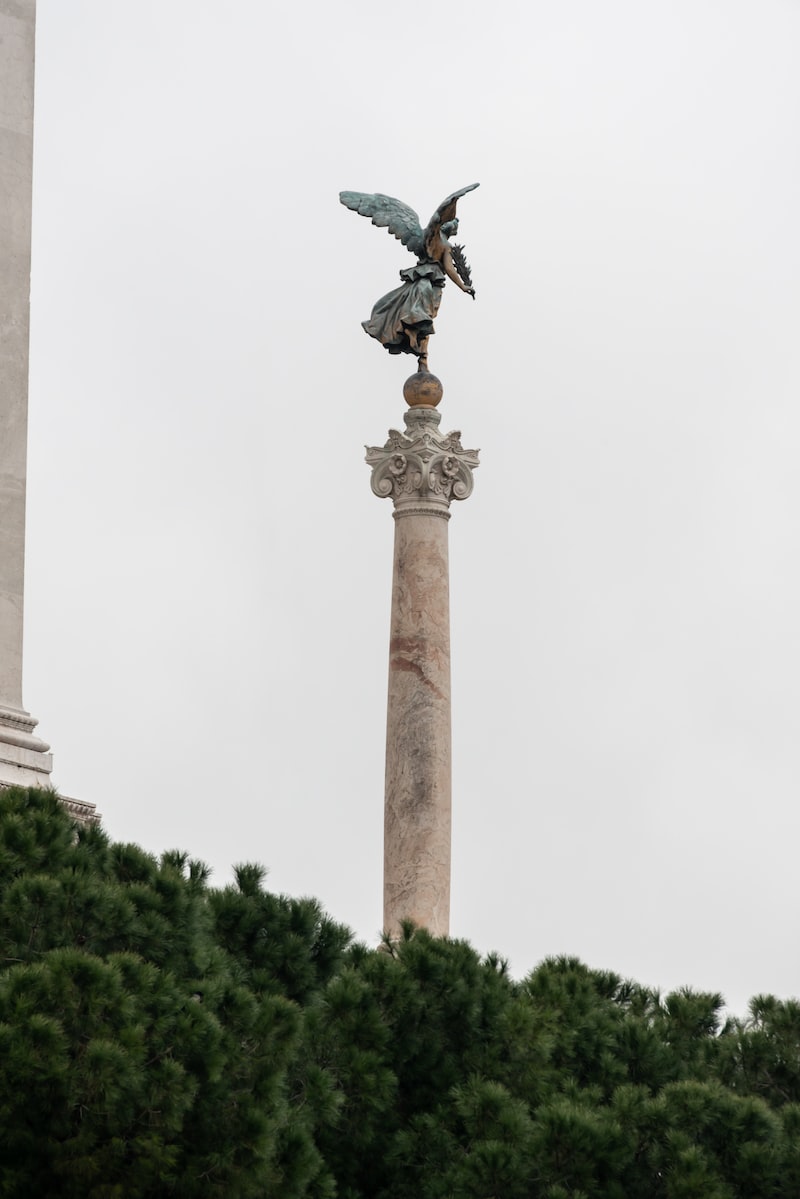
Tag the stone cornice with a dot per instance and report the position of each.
(84, 813)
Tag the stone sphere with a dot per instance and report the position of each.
(422, 390)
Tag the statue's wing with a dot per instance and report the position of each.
(388, 213)
(446, 211)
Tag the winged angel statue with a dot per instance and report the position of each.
(402, 320)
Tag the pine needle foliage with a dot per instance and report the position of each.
(160, 1037)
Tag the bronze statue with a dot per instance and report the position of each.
(403, 320)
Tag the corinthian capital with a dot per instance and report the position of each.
(422, 470)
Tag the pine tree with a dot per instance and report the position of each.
(137, 1058)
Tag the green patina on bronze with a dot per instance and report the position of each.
(402, 320)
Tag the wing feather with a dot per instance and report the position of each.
(446, 211)
(388, 213)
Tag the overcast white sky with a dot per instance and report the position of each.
(208, 573)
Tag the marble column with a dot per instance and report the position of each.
(23, 756)
(422, 471)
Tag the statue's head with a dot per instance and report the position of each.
(450, 228)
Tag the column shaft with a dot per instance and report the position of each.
(17, 26)
(23, 756)
(417, 812)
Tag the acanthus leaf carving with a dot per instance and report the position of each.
(422, 468)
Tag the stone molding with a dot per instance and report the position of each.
(422, 470)
(16, 728)
(421, 510)
(24, 757)
(81, 812)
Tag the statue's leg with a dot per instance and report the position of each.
(423, 354)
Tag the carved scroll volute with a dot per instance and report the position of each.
(421, 470)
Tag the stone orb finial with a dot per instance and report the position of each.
(423, 390)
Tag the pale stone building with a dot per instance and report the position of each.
(24, 757)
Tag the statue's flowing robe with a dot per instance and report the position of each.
(403, 317)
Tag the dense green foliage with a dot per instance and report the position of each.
(159, 1037)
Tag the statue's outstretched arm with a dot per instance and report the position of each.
(452, 273)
